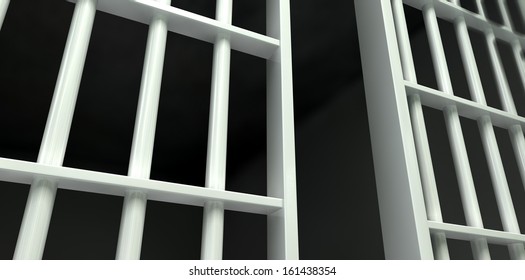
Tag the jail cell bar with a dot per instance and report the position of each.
(499, 182)
(39, 206)
(3, 9)
(426, 169)
(213, 220)
(469, 199)
(401, 203)
(379, 47)
(280, 206)
(134, 207)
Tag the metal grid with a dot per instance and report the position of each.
(410, 210)
(48, 174)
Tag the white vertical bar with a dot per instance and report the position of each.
(502, 4)
(420, 134)
(521, 7)
(39, 206)
(401, 202)
(516, 132)
(518, 143)
(457, 142)
(501, 79)
(469, 61)
(405, 50)
(4, 4)
(134, 207)
(518, 58)
(481, 10)
(282, 226)
(213, 220)
(490, 145)
(501, 188)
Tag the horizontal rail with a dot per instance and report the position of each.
(466, 108)
(192, 25)
(450, 12)
(472, 233)
(24, 172)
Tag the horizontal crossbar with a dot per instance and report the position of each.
(24, 172)
(192, 25)
(472, 233)
(451, 12)
(466, 108)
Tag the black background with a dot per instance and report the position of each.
(338, 212)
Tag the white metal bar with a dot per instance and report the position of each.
(450, 12)
(457, 143)
(481, 10)
(401, 202)
(403, 40)
(502, 4)
(469, 62)
(518, 144)
(517, 52)
(516, 132)
(521, 10)
(134, 207)
(426, 169)
(213, 220)
(490, 145)
(472, 233)
(4, 4)
(283, 237)
(501, 189)
(39, 206)
(192, 25)
(505, 95)
(466, 108)
(24, 172)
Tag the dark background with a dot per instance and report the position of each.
(338, 212)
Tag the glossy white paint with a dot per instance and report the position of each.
(283, 236)
(134, 207)
(453, 107)
(213, 220)
(473, 233)
(4, 4)
(401, 201)
(455, 133)
(504, 11)
(39, 206)
(499, 182)
(24, 172)
(192, 25)
(426, 169)
(283, 240)
(449, 12)
(469, 109)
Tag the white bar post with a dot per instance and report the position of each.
(521, 7)
(39, 206)
(459, 152)
(490, 145)
(516, 132)
(4, 4)
(502, 4)
(134, 207)
(213, 219)
(428, 180)
(282, 225)
(401, 203)
(499, 181)
(481, 10)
